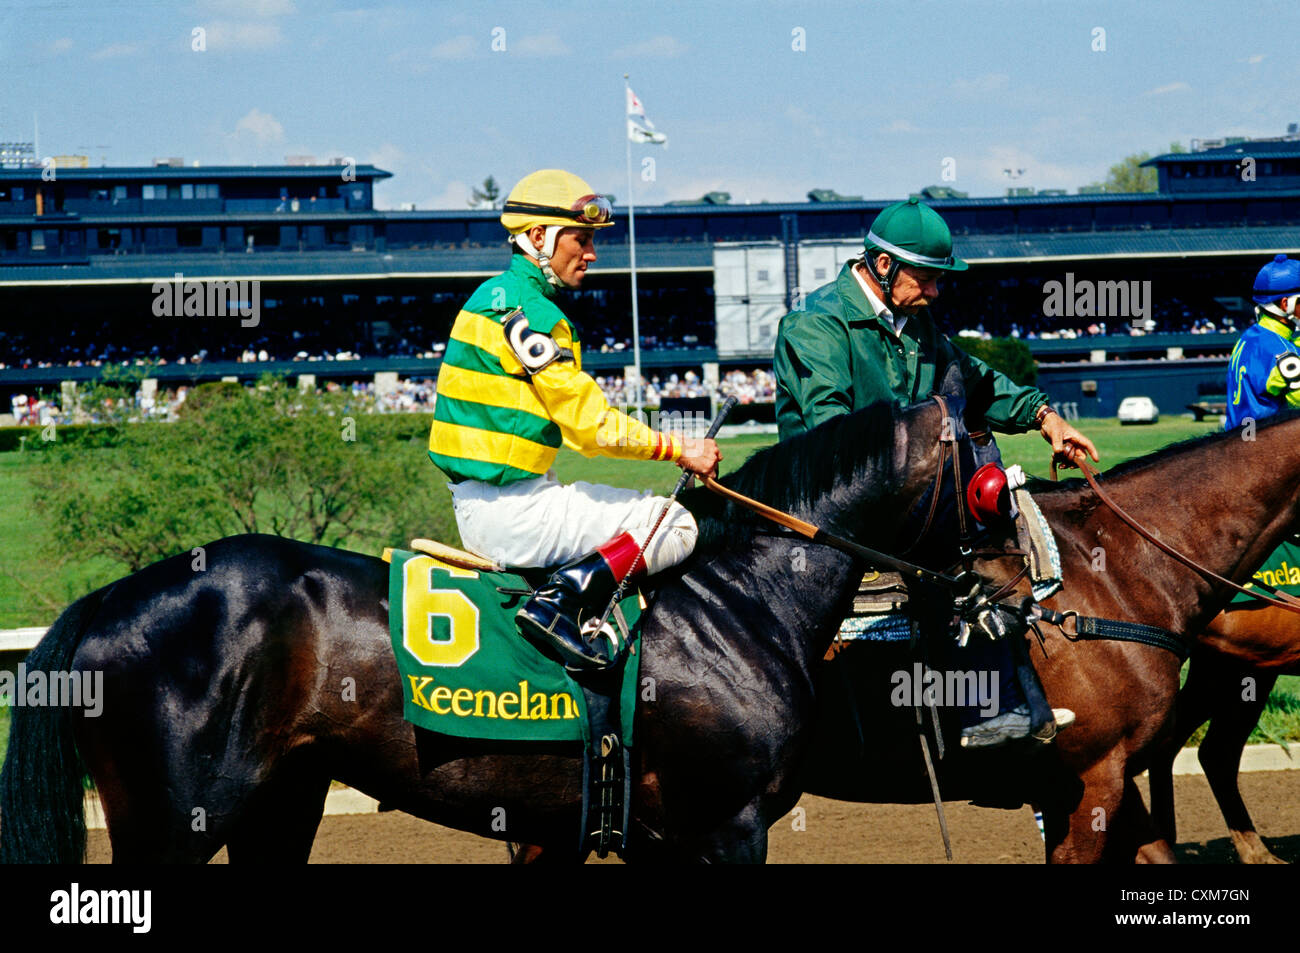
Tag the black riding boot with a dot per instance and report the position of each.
(550, 618)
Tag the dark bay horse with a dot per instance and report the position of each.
(1232, 671)
(234, 693)
(1218, 499)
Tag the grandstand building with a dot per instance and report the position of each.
(345, 290)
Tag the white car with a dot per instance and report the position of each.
(1138, 410)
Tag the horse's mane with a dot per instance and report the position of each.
(794, 474)
(1038, 485)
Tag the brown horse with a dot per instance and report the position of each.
(1222, 501)
(1123, 693)
(1232, 671)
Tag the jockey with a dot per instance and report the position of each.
(868, 337)
(1264, 374)
(511, 389)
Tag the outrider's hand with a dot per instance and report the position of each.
(1068, 445)
(700, 456)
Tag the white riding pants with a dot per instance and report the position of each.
(541, 522)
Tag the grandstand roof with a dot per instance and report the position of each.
(1273, 149)
(190, 173)
(331, 265)
(1152, 243)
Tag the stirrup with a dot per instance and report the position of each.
(1061, 718)
(582, 656)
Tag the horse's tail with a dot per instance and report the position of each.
(42, 796)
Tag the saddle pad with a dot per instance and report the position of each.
(1281, 570)
(1040, 541)
(467, 671)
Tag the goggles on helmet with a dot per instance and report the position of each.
(588, 210)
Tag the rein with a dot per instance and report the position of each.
(819, 535)
(1280, 599)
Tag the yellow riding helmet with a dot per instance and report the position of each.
(554, 197)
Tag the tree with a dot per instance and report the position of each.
(487, 196)
(1128, 175)
(1011, 356)
(309, 466)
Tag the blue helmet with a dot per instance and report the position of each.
(1280, 278)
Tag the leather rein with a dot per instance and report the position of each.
(1279, 599)
(960, 585)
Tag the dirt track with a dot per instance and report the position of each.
(838, 832)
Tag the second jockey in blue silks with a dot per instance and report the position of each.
(1264, 375)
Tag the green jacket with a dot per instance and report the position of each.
(837, 356)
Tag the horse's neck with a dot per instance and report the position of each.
(1226, 506)
(817, 582)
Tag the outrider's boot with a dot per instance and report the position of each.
(552, 616)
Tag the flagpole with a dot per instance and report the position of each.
(631, 233)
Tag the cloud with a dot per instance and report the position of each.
(901, 125)
(114, 51)
(544, 44)
(61, 45)
(981, 85)
(455, 195)
(1167, 88)
(421, 60)
(261, 128)
(805, 120)
(387, 156)
(243, 35)
(1039, 173)
(456, 48)
(251, 8)
(1257, 58)
(663, 46)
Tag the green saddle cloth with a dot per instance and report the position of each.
(467, 670)
(1281, 570)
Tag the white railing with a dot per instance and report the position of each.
(20, 640)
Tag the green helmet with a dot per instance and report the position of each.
(910, 233)
(914, 234)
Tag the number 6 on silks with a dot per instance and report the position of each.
(422, 604)
(534, 349)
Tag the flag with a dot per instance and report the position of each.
(643, 131)
(638, 134)
(634, 107)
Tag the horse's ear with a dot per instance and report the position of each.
(952, 384)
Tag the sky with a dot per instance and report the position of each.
(763, 100)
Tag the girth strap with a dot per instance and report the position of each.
(1091, 628)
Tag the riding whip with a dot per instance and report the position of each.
(723, 411)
